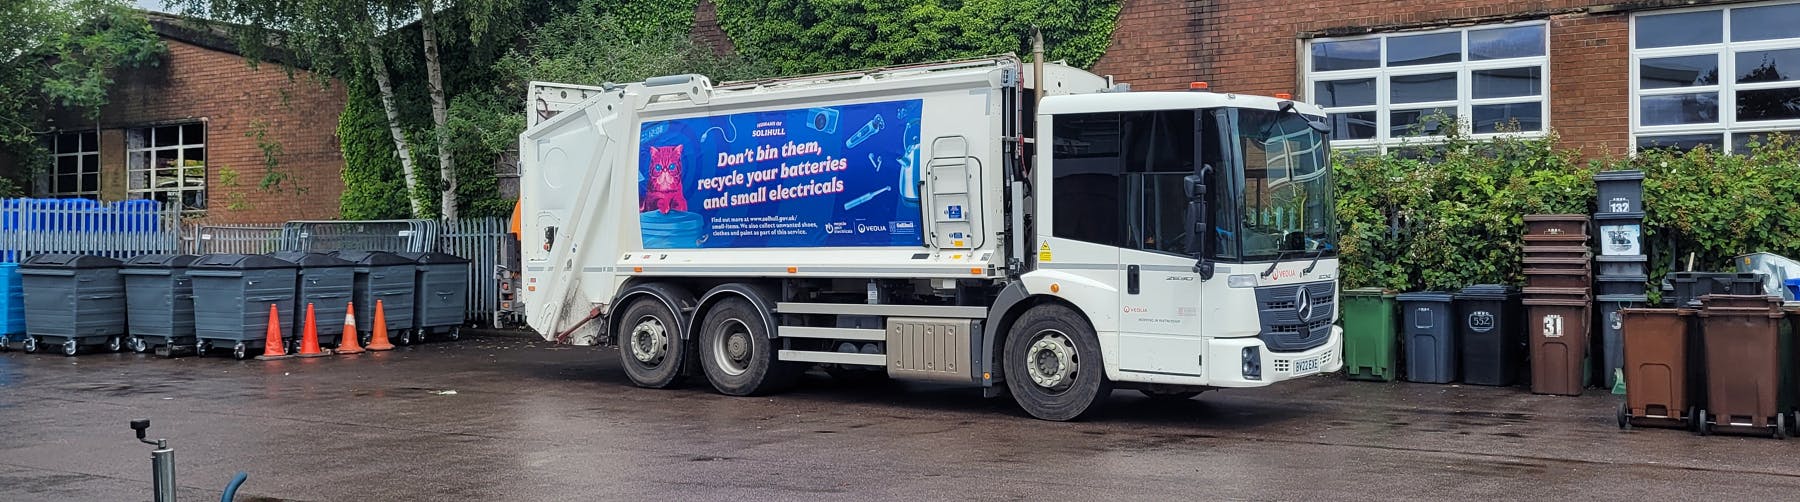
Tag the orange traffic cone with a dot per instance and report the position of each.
(272, 344)
(309, 336)
(379, 340)
(347, 342)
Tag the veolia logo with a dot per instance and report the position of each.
(1481, 321)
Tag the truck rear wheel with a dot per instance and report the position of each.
(737, 354)
(1053, 365)
(650, 345)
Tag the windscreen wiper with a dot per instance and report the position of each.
(1278, 258)
(1315, 260)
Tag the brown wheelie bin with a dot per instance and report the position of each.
(1656, 370)
(1559, 340)
(1743, 367)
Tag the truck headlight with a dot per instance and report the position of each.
(1252, 363)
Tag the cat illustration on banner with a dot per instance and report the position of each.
(664, 191)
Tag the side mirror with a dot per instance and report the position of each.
(1319, 126)
(1199, 222)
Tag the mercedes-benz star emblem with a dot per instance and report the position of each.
(1303, 304)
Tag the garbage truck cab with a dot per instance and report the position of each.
(1028, 230)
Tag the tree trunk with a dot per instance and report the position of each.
(379, 68)
(439, 110)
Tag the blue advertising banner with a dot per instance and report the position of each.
(842, 176)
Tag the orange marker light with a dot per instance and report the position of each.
(637, 269)
(1055, 288)
(1283, 95)
(793, 270)
(1197, 86)
(974, 271)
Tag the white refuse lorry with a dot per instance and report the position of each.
(940, 222)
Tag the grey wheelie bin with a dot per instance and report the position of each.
(387, 277)
(1428, 332)
(73, 300)
(440, 306)
(327, 282)
(232, 295)
(159, 298)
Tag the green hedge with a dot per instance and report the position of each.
(1714, 206)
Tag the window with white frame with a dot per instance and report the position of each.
(1723, 77)
(74, 165)
(1382, 89)
(168, 164)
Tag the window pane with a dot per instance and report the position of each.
(1087, 167)
(193, 134)
(1681, 71)
(194, 156)
(1744, 143)
(90, 163)
(1424, 49)
(1358, 125)
(137, 180)
(1422, 88)
(1507, 83)
(1681, 142)
(1512, 117)
(68, 164)
(193, 199)
(1358, 92)
(1158, 219)
(1346, 55)
(65, 143)
(90, 182)
(163, 159)
(1414, 123)
(1768, 66)
(1769, 104)
(1502, 43)
(1687, 28)
(1765, 23)
(1698, 108)
(165, 136)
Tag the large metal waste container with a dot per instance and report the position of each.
(1743, 365)
(1558, 327)
(1371, 341)
(1429, 336)
(12, 305)
(1493, 342)
(441, 304)
(1656, 370)
(73, 300)
(159, 297)
(232, 295)
(388, 278)
(326, 282)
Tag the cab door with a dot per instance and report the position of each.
(1159, 301)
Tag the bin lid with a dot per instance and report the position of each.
(160, 261)
(1558, 249)
(1425, 296)
(1717, 276)
(1622, 299)
(311, 260)
(1499, 292)
(69, 261)
(240, 262)
(1622, 278)
(431, 258)
(1630, 175)
(1555, 302)
(1557, 291)
(1636, 258)
(1602, 218)
(375, 258)
(1367, 292)
(1556, 217)
(1557, 271)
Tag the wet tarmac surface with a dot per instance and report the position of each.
(531, 421)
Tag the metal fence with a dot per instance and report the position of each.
(120, 230)
(482, 241)
(394, 236)
(240, 239)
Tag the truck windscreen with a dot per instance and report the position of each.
(1287, 206)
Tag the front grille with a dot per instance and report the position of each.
(1283, 329)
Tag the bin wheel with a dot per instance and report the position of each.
(455, 333)
(70, 347)
(419, 335)
(1700, 425)
(406, 337)
(30, 345)
(5, 343)
(1624, 417)
(240, 352)
(365, 338)
(1781, 427)
(114, 344)
(201, 347)
(140, 346)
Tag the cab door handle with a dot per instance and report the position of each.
(1131, 279)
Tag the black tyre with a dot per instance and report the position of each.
(1781, 427)
(201, 347)
(1177, 395)
(1700, 425)
(1053, 365)
(737, 354)
(650, 345)
(1624, 417)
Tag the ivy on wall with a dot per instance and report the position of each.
(803, 36)
(373, 187)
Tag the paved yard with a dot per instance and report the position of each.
(531, 421)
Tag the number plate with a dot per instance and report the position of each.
(1306, 366)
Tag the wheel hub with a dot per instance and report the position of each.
(649, 340)
(1051, 361)
(732, 348)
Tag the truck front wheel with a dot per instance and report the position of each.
(1053, 365)
(650, 346)
(737, 354)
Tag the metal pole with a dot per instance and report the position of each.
(162, 461)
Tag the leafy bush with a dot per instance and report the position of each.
(1715, 206)
(1443, 215)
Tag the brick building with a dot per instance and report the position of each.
(205, 130)
(1607, 76)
